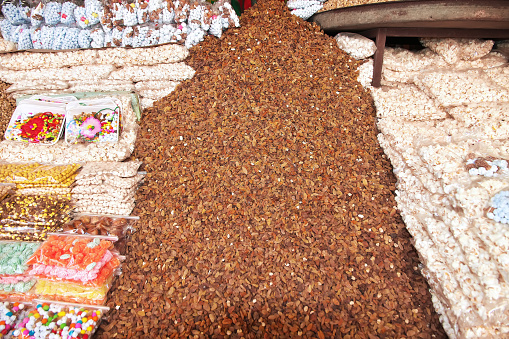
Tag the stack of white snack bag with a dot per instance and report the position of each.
(443, 114)
(152, 72)
(107, 187)
(305, 8)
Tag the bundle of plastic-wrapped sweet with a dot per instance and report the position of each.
(71, 24)
(443, 114)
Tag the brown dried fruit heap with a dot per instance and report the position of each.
(267, 210)
(7, 107)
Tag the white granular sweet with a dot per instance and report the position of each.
(390, 77)
(355, 45)
(453, 50)
(455, 88)
(366, 73)
(101, 86)
(499, 75)
(173, 72)
(92, 72)
(26, 60)
(402, 60)
(122, 169)
(407, 102)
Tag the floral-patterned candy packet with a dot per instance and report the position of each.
(38, 120)
(96, 120)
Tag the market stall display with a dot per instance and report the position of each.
(449, 153)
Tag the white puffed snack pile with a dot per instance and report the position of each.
(152, 72)
(107, 187)
(356, 45)
(445, 130)
(64, 153)
(305, 8)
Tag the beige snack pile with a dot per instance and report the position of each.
(107, 187)
(152, 72)
(445, 131)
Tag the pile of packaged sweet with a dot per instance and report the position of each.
(56, 25)
(63, 227)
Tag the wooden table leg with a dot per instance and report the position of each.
(381, 34)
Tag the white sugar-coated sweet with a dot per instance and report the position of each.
(356, 45)
(453, 50)
(194, 37)
(174, 72)
(12, 14)
(26, 60)
(67, 13)
(72, 73)
(52, 12)
(93, 9)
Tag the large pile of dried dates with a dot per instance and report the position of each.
(268, 208)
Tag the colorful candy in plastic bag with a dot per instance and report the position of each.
(71, 38)
(67, 13)
(52, 11)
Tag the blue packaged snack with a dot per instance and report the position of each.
(52, 13)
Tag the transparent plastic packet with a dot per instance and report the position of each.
(26, 234)
(6, 189)
(497, 208)
(12, 311)
(155, 11)
(167, 33)
(182, 8)
(113, 180)
(200, 15)
(105, 275)
(35, 34)
(116, 36)
(93, 9)
(72, 292)
(6, 28)
(71, 39)
(84, 38)
(93, 120)
(12, 13)
(168, 14)
(127, 37)
(37, 15)
(13, 257)
(17, 285)
(142, 11)
(106, 17)
(25, 38)
(52, 10)
(130, 13)
(54, 191)
(117, 13)
(17, 31)
(44, 174)
(97, 36)
(25, 11)
(80, 16)
(72, 257)
(94, 224)
(67, 12)
(63, 313)
(99, 191)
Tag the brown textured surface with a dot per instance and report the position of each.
(7, 107)
(268, 208)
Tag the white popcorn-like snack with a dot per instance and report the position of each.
(122, 169)
(447, 180)
(101, 86)
(366, 73)
(40, 85)
(63, 153)
(91, 72)
(453, 50)
(355, 45)
(174, 72)
(156, 94)
(460, 87)
(307, 12)
(28, 60)
(407, 102)
(499, 75)
(121, 193)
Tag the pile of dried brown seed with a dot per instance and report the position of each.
(268, 210)
(7, 107)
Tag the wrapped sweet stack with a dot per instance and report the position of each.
(443, 115)
(56, 25)
(151, 72)
(15, 283)
(107, 187)
(75, 268)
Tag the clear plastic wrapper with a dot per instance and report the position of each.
(11, 314)
(67, 13)
(25, 38)
(36, 121)
(26, 233)
(47, 33)
(194, 37)
(34, 211)
(13, 257)
(25, 11)
(6, 28)
(97, 36)
(72, 292)
(54, 191)
(37, 16)
(167, 33)
(52, 10)
(107, 39)
(35, 34)
(92, 224)
(106, 17)
(130, 13)
(93, 8)
(116, 36)
(59, 33)
(168, 13)
(155, 11)
(117, 11)
(142, 11)
(127, 37)
(96, 120)
(5, 190)
(356, 45)
(17, 31)
(8, 169)
(65, 320)
(80, 16)
(12, 13)
(122, 169)
(84, 39)
(44, 174)
(15, 286)
(72, 257)
(182, 8)
(71, 38)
